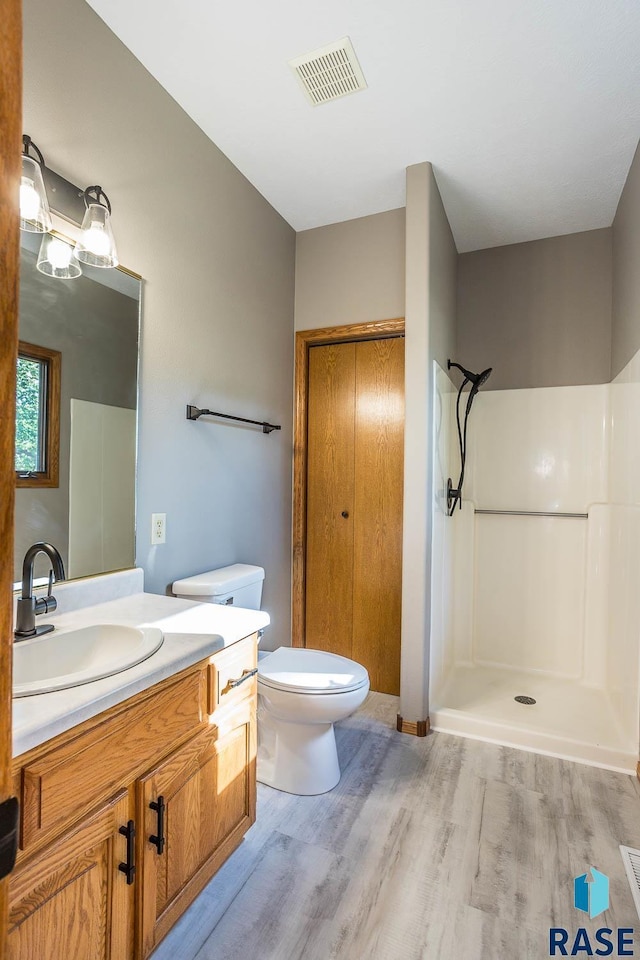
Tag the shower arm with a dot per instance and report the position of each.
(452, 363)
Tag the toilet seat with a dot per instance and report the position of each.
(301, 670)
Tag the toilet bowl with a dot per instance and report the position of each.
(301, 694)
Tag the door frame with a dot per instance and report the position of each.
(305, 339)
(10, 162)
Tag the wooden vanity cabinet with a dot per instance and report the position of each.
(175, 764)
(72, 901)
(195, 806)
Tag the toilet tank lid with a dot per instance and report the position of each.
(216, 583)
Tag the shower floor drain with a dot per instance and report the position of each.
(528, 700)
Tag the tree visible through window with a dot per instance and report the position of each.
(37, 416)
(30, 415)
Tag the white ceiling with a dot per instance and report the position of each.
(529, 110)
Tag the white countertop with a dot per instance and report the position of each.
(192, 631)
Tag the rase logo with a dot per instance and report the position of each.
(591, 896)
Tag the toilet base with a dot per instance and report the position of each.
(298, 758)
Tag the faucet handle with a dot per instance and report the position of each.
(49, 603)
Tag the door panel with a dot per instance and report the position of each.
(354, 504)
(330, 485)
(377, 562)
(208, 790)
(73, 901)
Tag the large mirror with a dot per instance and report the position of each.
(77, 388)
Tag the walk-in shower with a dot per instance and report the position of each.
(535, 618)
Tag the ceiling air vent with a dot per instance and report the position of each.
(330, 72)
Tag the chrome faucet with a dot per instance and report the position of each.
(30, 607)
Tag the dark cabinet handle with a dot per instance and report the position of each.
(9, 830)
(345, 514)
(158, 839)
(246, 675)
(129, 868)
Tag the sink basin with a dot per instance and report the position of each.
(57, 661)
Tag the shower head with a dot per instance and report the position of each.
(477, 379)
(483, 377)
(480, 379)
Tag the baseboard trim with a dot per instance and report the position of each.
(420, 728)
(638, 770)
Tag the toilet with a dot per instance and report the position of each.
(301, 692)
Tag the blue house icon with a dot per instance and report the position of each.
(591, 896)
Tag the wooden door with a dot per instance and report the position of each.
(71, 902)
(10, 150)
(330, 497)
(207, 789)
(355, 455)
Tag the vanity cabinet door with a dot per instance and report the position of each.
(72, 902)
(195, 806)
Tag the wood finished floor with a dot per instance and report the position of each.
(439, 849)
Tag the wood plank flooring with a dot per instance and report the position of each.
(428, 849)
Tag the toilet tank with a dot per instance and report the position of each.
(239, 584)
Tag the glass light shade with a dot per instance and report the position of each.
(56, 259)
(96, 245)
(35, 215)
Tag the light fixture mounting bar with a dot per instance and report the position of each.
(64, 197)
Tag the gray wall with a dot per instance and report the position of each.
(351, 272)
(218, 268)
(443, 270)
(626, 272)
(430, 321)
(354, 272)
(539, 313)
(96, 330)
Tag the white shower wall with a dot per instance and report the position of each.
(529, 593)
(541, 450)
(622, 653)
(444, 579)
(553, 597)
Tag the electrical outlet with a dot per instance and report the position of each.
(158, 528)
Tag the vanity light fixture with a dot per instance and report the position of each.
(56, 259)
(35, 215)
(96, 245)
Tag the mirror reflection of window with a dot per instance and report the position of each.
(37, 416)
(31, 415)
(92, 322)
